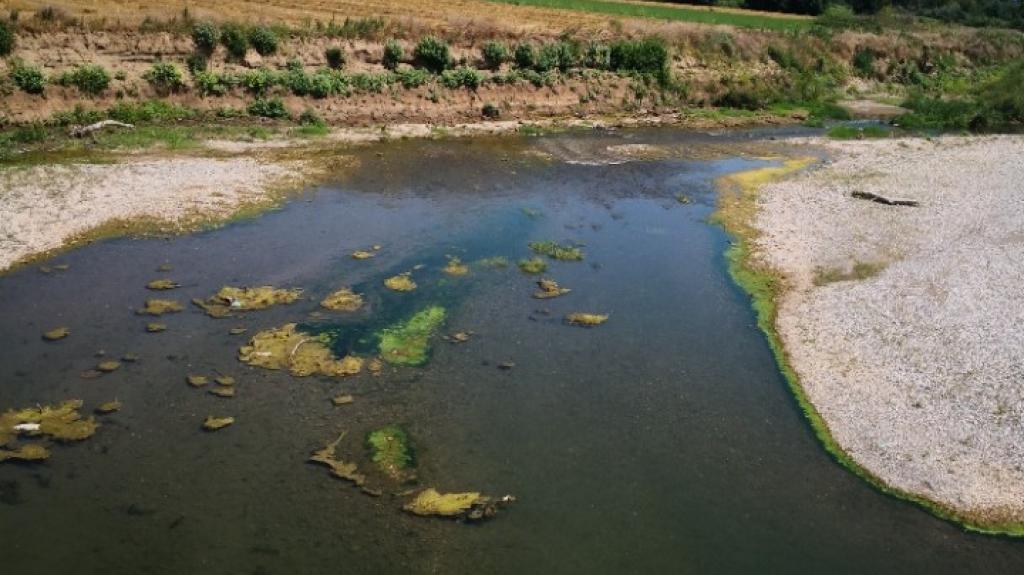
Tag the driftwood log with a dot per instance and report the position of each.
(83, 131)
(882, 199)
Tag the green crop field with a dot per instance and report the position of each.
(675, 12)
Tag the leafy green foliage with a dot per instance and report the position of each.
(164, 77)
(495, 54)
(598, 56)
(864, 62)
(263, 40)
(526, 56)
(433, 54)
(235, 41)
(205, 36)
(412, 77)
(335, 57)
(268, 108)
(393, 54)
(149, 112)
(648, 56)
(462, 77)
(90, 79)
(28, 78)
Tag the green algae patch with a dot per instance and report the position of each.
(408, 342)
(231, 299)
(164, 284)
(61, 423)
(402, 282)
(467, 506)
(300, 353)
(548, 289)
(586, 319)
(212, 423)
(339, 468)
(556, 251)
(57, 333)
(533, 266)
(494, 262)
(391, 451)
(455, 267)
(343, 300)
(160, 307)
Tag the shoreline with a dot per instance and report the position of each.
(803, 249)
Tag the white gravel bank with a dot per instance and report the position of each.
(42, 207)
(919, 370)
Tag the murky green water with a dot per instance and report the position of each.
(662, 441)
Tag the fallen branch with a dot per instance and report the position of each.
(882, 199)
(82, 131)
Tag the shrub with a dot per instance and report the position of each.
(309, 117)
(149, 112)
(648, 56)
(432, 54)
(526, 56)
(233, 38)
(560, 55)
(196, 62)
(1004, 95)
(372, 82)
(90, 79)
(297, 81)
(412, 77)
(205, 36)
(321, 85)
(462, 77)
(209, 84)
(393, 54)
(495, 54)
(29, 78)
(864, 62)
(490, 111)
(335, 57)
(6, 39)
(164, 77)
(263, 40)
(272, 108)
(259, 81)
(598, 56)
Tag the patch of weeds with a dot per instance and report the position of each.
(91, 79)
(393, 55)
(164, 77)
(26, 77)
(268, 108)
(462, 77)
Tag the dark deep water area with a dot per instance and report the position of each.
(664, 441)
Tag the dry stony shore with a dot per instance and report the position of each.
(905, 325)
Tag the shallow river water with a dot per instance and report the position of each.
(662, 441)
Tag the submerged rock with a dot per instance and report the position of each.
(549, 289)
(57, 333)
(162, 284)
(300, 353)
(160, 307)
(214, 423)
(586, 319)
(455, 267)
(533, 266)
(391, 450)
(402, 282)
(408, 343)
(231, 299)
(339, 468)
(471, 506)
(556, 251)
(343, 300)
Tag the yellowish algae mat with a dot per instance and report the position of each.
(586, 319)
(300, 353)
(231, 299)
(61, 423)
(468, 506)
(401, 282)
(343, 300)
(156, 306)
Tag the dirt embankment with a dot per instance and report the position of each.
(904, 324)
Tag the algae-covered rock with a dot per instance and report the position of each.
(343, 399)
(108, 366)
(300, 353)
(162, 284)
(391, 451)
(108, 407)
(455, 267)
(549, 289)
(556, 251)
(56, 333)
(160, 307)
(343, 300)
(225, 380)
(156, 327)
(470, 506)
(408, 343)
(586, 319)
(214, 423)
(339, 468)
(61, 423)
(401, 282)
(197, 380)
(231, 299)
(533, 266)
(225, 392)
(27, 452)
(362, 255)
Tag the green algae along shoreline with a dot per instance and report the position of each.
(765, 285)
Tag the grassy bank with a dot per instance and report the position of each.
(765, 286)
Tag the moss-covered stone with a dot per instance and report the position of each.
(391, 451)
(225, 392)
(300, 353)
(108, 366)
(343, 300)
(197, 380)
(57, 333)
(408, 342)
(214, 423)
(232, 299)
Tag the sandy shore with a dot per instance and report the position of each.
(915, 358)
(43, 208)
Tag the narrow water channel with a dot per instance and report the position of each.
(664, 441)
